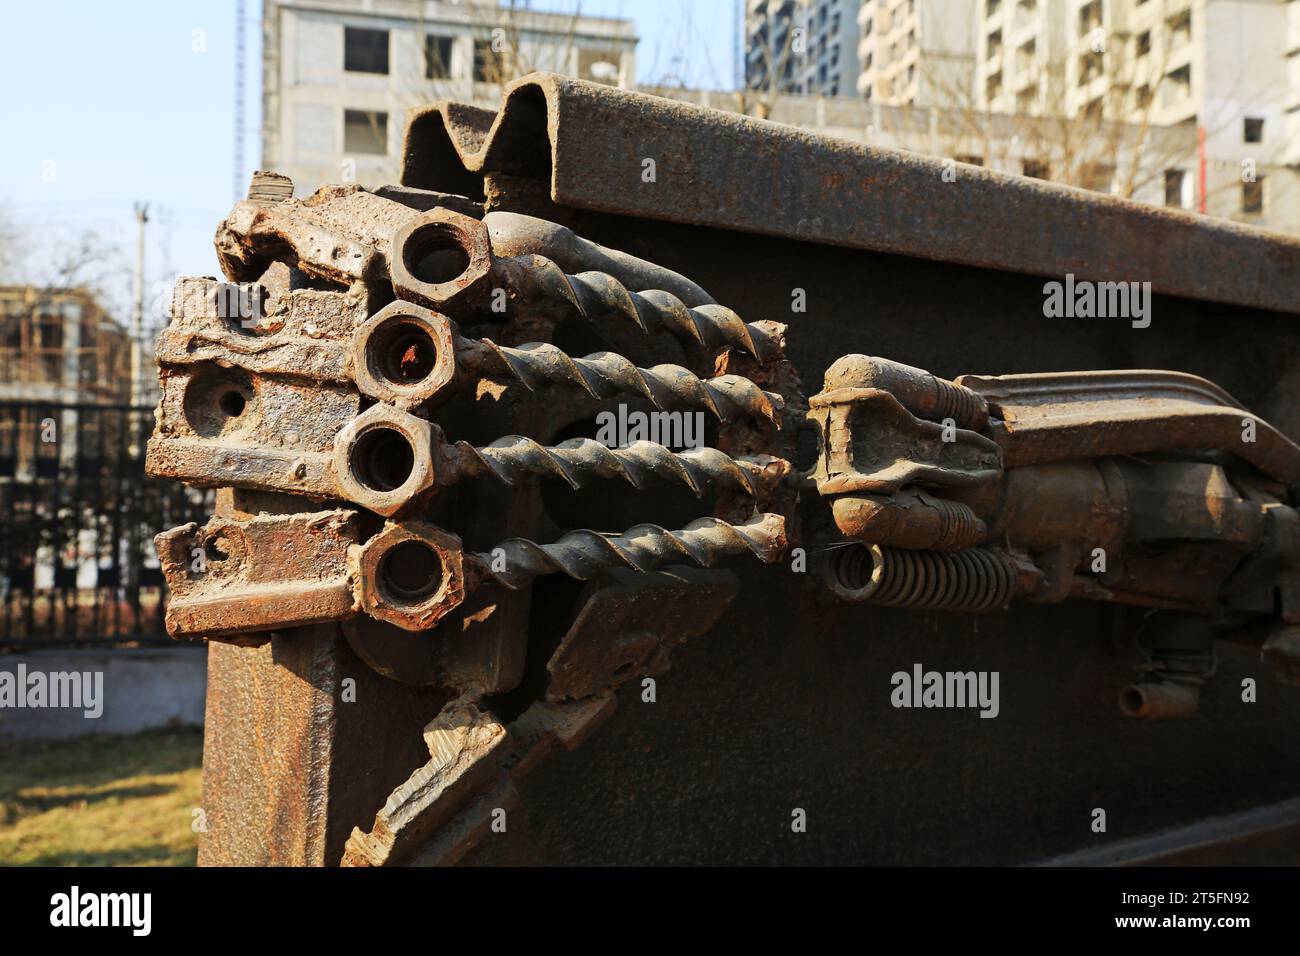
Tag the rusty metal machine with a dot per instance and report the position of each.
(483, 463)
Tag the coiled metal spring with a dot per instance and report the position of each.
(973, 580)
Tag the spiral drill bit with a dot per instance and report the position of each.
(645, 547)
(581, 460)
(605, 374)
(598, 295)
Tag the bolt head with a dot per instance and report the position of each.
(371, 453)
(378, 350)
(435, 231)
(374, 591)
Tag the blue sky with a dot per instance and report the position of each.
(109, 103)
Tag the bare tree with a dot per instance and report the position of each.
(13, 249)
(1110, 143)
(779, 46)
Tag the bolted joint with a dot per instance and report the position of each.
(383, 459)
(404, 355)
(442, 260)
(411, 575)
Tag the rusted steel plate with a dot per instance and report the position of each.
(589, 142)
(1049, 417)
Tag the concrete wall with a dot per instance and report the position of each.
(141, 689)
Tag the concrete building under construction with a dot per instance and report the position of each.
(59, 345)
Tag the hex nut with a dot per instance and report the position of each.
(375, 587)
(387, 348)
(383, 459)
(465, 245)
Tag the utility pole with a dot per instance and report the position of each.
(137, 308)
(238, 139)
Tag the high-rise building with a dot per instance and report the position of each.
(916, 52)
(1020, 54)
(1228, 68)
(801, 46)
(769, 44)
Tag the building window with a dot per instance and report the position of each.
(1025, 55)
(866, 94)
(1144, 43)
(1027, 98)
(866, 27)
(365, 51)
(1174, 180)
(1180, 84)
(1254, 129)
(1090, 67)
(365, 131)
(489, 65)
(1252, 196)
(1035, 168)
(1180, 27)
(995, 44)
(1089, 17)
(602, 66)
(993, 85)
(437, 57)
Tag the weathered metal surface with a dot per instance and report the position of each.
(1041, 420)
(314, 317)
(1189, 530)
(1062, 504)
(230, 577)
(587, 144)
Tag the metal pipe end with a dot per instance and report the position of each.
(1166, 701)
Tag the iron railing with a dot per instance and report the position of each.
(77, 519)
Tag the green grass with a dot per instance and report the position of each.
(101, 801)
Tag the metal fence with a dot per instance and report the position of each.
(77, 520)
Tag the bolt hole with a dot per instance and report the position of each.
(217, 400)
(1132, 700)
(382, 459)
(434, 254)
(410, 572)
(232, 403)
(213, 552)
(402, 353)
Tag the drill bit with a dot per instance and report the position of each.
(598, 296)
(581, 554)
(581, 460)
(605, 374)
